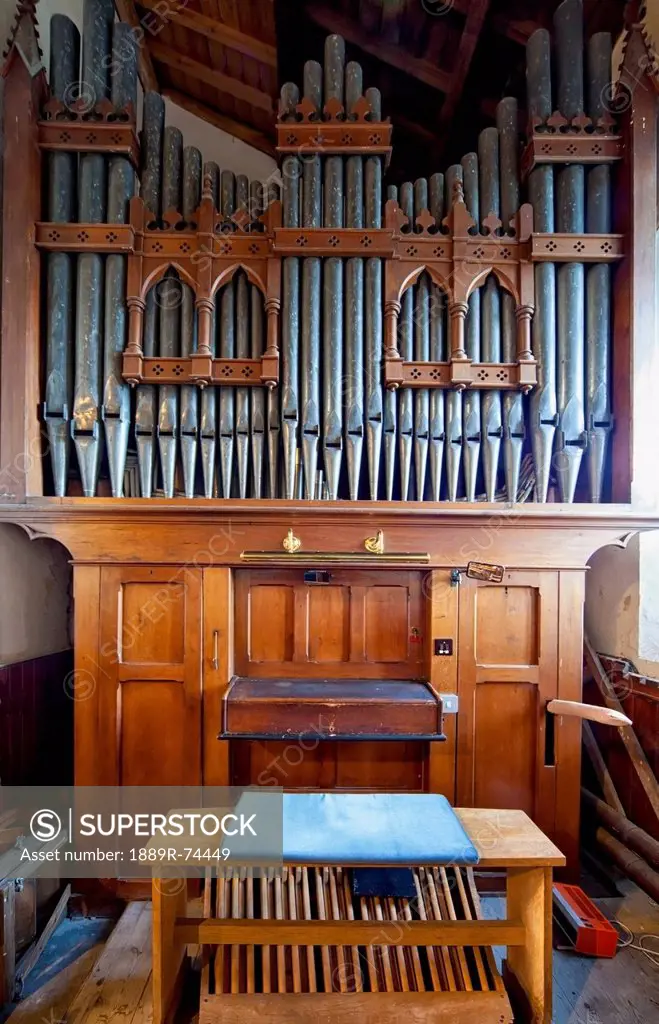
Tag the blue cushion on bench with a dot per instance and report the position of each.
(373, 828)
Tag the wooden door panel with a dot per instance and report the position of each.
(514, 747)
(271, 622)
(508, 671)
(154, 744)
(507, 623)
(329, 624)
(361, 624)
(150, 679)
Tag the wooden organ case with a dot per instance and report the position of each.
(271, 496)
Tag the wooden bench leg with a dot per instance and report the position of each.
(529, 900)
(169, 897)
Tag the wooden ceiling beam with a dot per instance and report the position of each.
(472, 29)
(216, 31)
(251, 136)
(126, 11)
(395, 56)
(210, 76)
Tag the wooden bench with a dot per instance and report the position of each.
(434, 960)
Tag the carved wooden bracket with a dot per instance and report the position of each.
(80, 129)
(337, 131)
(580, 141)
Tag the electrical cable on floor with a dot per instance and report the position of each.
(628, 942)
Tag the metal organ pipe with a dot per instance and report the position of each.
(354, 302)
(570, 294)
(256, 328)
(492, 428)
(333, 216)
(406, 348)
(150, 191)
(121, 188)
(543, 417)
(208, 419)
(598, 280)
(290, 97)
(437, 432)
(60, 266)
(373, 311)
(189, 393)
(513, 405)
(168, 297)
(98, 18)
(311, 295)
(454, 433)
(471, 401)
(226, 324)
(242, 298)
(421, 352)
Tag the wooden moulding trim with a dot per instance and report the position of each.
(343, 137)
(333, 242)
(170, 370)
(566, 248)
(571, 148)
(114, 138)
(105, 238)
(461, 374)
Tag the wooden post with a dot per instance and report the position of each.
(169, 897)
(635, 292)
(20, 436)
(530, 966)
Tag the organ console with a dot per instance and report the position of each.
(274, 422)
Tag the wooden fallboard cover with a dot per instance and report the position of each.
(281, 708)
(362, 624)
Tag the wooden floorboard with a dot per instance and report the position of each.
(115, 986)
(118, 984)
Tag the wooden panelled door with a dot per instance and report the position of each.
(149, 676)
(508, 671)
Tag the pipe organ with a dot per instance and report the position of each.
(278, 419)
(326, 335)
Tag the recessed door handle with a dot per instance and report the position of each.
(216, 651)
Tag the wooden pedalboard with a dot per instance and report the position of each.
(383, 984)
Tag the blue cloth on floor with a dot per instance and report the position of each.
(373, 828)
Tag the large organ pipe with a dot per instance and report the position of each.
(226, 323)
(189, 393)
(471, 401)
(290, 331)
(406, 347)
(421, 353)
(513, 405)
(208, 417)
(570, 217)
(354, 302)
(150, 190)
(438, 353)
(256, 326)
(60, 266)
(543, 404)
(492, 428)
(453, 447)
(373, 311)
(98, 17)
(311, 295)
(121, 187)
(242, 352)
(169, 302)
(391, 408)
(333, 284)
(598, 280)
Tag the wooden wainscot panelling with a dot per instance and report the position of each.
(442, 609)
(507, 672)
(150, 703)
(217, 669)
(361, 624)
